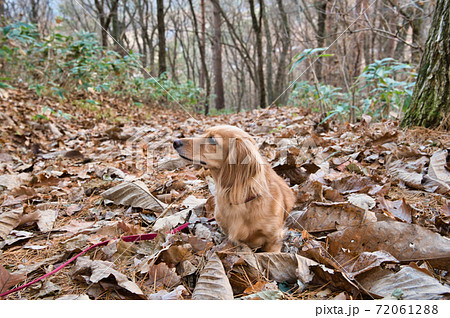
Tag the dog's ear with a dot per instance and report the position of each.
(243, 163)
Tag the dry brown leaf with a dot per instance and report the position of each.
(213, 283)
(398, 170)
(328, 216)
(413, 284)
(285, 267)
(9, 220)
(161, 275)
(356, 263)
(353, 184)
(100, 270)
(46, 220)
(438, 177)
(406, 242)
(399, 209)
(8, 280)
(135, 194)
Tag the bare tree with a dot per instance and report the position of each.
(202, 58)
(217, 59)
(257, 28)
(161, 37)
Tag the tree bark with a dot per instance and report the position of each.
(161, 37)
(321, 8)
(202, 46)
(202, 58)
(105, 19)
(217, 59)
(256, 25)
(269, 49)
(280, 82)
(430, 104)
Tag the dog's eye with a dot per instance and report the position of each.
(212, 140)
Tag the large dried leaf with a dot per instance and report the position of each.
(329, 216)
(171, 221)
(213, 283)
(46, 220)
(399, 209)
(161, 275)
(285, 267)
(399, 171)
(406, 242)
(436, 169)
(265, 295)
(8, 221)
(100, 270)
(356, 263)
(438, 177)
(172, 163)
(8, 280)
(412, 284)
(13, 181)
(135, 194)
(361, 200)
(354, 184)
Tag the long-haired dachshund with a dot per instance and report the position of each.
(252, 201)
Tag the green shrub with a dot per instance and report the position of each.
(60, 65)
(384, 88)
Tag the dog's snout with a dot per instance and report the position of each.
(177, 143)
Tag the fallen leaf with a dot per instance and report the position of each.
(399, 209)
(265, 295)
(356, 263)
(13, 181)
(100, 270)
(135, 194)
(285, 267)
(169, 222)
(213, 283)
(172, 164)
(46, 220)
(361, 200)
(9, 220)
(413, 284)
(191, 202)
(328, 216)
(8, 280)
(438, 177)
(176, 294)
(406, 242)
(161, 275)
(397, 170)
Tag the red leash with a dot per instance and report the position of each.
(129, 238)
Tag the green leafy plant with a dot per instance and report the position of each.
(60, 65)
(385, 92)
(383, 88)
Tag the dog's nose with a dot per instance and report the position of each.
(177, 143)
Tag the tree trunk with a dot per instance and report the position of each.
(256, 25)
(217, 59)
(202, 58)
(430, 104)
(161, 37)
(203, 42)
(417, 36)
(321, 8)
(280, 82)
(269, 48)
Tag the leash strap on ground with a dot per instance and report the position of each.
(129, 238)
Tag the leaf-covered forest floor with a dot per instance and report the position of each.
(371, 219)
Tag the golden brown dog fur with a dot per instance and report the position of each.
(252, 201)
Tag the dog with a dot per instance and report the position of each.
(252, 201)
